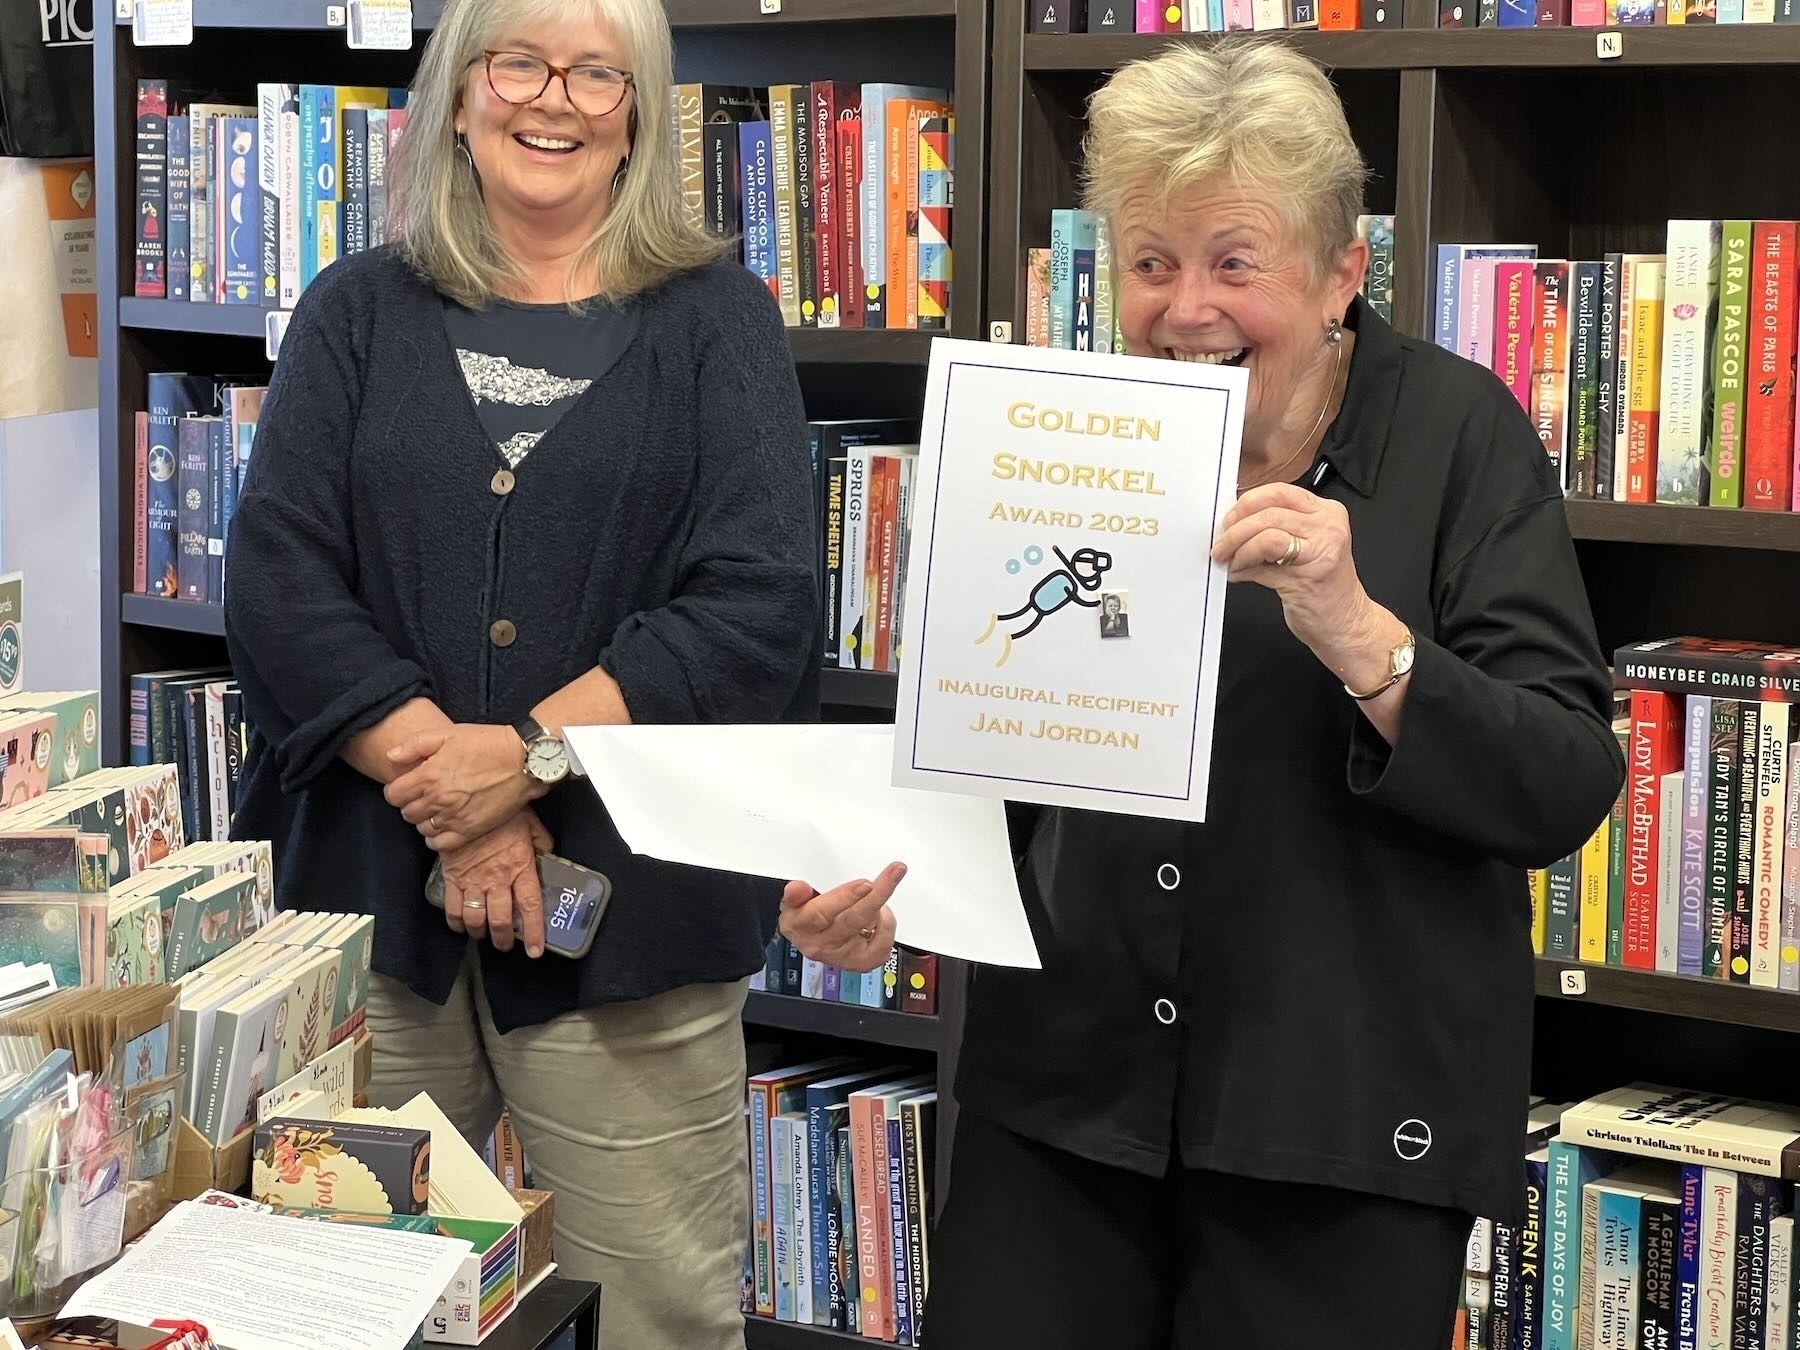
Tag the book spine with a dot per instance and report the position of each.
(1549, 362)
(850, 151)
(356, 181)
(806, 232)
(1769, 392)
(1687, 1258)
(1584, 366)
(827, 226)
(759, 214)
(1766, 873)
(1730, 420)
(1606, 377)
(782, 198)
(1644, 412)
(1743, 830)
(1718, 1257)
(180, 261)
(1660, 1224)
(1697, 761)
(1690, 289)
(150, 279)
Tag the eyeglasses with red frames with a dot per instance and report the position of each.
(520, 77)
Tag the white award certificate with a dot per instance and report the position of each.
(1062, 619)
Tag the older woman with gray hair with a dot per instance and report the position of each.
(1275, 1064)
(542, 462)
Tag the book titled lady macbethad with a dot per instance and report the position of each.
(1733, 1133)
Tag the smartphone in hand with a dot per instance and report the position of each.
(574, 901)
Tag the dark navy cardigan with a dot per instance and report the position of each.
(664, 530)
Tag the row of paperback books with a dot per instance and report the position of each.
(838, 193)
(1612, 13)
(192, 445)
(1209, 16)
(863, 477)
(192, 719)
(1651, 377)
(1654, 1217)
(243, 204)
(1697, 870)
(907, 983)
(1071, 287)
(842, 1190)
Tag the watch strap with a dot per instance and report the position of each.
(529, 729)
(1397, 670)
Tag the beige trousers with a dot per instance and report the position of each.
(631, 1113)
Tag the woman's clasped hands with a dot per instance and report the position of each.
(465, 789)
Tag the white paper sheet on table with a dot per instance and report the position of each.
(814, 803)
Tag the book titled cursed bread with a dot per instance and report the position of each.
(341, 1165)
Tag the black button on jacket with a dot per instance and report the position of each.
(663, 529)
(1330, 981)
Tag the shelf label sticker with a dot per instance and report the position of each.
(1609, 46)
(275, 324)
(163, 23)
(1574, 983)
(334, 16)
(1000, 330)
(770, 6)
(123, 10)
(379, 25)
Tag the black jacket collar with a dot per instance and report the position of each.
(1358, 435)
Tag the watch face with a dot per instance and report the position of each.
(1403, 659)
(548, 759)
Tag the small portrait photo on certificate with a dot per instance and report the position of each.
(1115, 622)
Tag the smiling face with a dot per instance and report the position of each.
(1218, 277)
(546, 167)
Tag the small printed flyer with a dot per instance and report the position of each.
(1063, 614)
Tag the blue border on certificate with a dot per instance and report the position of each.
(950, 368)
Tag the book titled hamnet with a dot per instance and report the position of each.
(1732, 1133)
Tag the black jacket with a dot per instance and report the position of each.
(663, 529)
(1330, 981)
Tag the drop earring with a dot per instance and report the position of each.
(462, 148)
(619, 174)
(1334, 333)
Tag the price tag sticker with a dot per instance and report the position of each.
(379, 25)
(275, 324)
(1574, 983)
(163, 23)
(1609, 46)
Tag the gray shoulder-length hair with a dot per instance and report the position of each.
(646, 234)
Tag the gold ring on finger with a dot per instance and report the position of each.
(1293, 550)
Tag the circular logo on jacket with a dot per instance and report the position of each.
(1412, 1140)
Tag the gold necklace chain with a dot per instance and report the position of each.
(1330, 394)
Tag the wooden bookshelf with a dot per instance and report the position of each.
(1671, 995)
(871, 1026)
(765, 1333)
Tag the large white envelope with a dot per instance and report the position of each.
(814, 803)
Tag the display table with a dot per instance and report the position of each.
(548, 1311)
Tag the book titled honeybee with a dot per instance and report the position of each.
(342, 1165)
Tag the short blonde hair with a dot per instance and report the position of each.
(1245, 110)
(646, 234)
